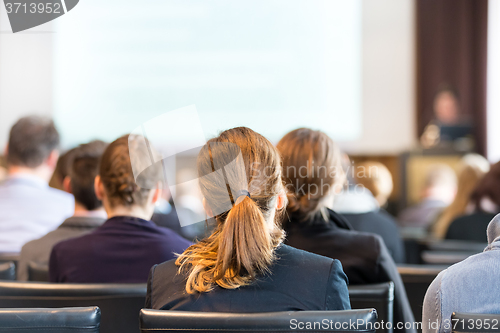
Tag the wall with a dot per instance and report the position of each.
(388, 76)
(25, 74)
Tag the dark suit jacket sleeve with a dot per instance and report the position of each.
(337, 294)
(149, 304)
(387, 271)
(53, 269)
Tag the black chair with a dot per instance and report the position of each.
(379, 296)
(8, 271)
(282, 322)
(38, 272)
(65, 320)
(417, 279)
(475, 323)
(120, 303)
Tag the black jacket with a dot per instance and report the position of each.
(364, 256)
(380, 223)
(298, 280)
(470, 227)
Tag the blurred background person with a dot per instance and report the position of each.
(128, 244)
(313, 226)
(376, 178)
(30, 208)
(447, 125)
(359, 206)
(472, 169)
(485, 204)
(440, 188)
(61, 171)
(89, 213)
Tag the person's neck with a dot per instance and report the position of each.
(40, 172)
(80, 210)
(133, 211)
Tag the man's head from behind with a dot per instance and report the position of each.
(84, 167)
(33, 142)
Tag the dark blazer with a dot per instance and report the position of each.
(470, 227)
(364, 256)
(380, 223)
(298, 280)
(122, 250)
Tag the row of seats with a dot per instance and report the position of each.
(88, 320)
(120, 303)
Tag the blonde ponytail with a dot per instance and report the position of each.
(244, 241)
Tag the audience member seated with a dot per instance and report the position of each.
(485, 205)
(313, 227)
(62, 170)
(379, 182)
(438, 193)
(466, 287)
(89, 214)
(363, 212)
(473, 167)
(242, 266)
(128, 244)
(30, 208)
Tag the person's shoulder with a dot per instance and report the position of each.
(60, 195)
(166, 270)
(172, 236)
(288, 255)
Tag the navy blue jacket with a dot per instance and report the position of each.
(298, 280)
(122, 250)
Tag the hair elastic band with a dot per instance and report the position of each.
(240, 195)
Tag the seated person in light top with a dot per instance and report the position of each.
(128, 244)
(29, 207)
(243, 265)
(471, 286)
(89, 213)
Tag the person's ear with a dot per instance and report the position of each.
(67, 184)
(157, 192)
(6, 150)
(281, 201)
(207, 208)
(52, 159)
(98, 188)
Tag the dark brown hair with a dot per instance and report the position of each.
(311, 169)
(31, 140)
(117, 175)
(82, 172)
(243, 243)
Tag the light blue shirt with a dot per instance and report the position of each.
(470, 286)
(29, 209)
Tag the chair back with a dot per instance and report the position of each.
(65, 320)
(417, 279)
(379, 296)
(283, 322)
(38, 272)
(8, 271)
(120, 303)
(474, 322)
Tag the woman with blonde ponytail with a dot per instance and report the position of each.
(243, 266)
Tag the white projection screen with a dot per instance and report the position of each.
(271, 65)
